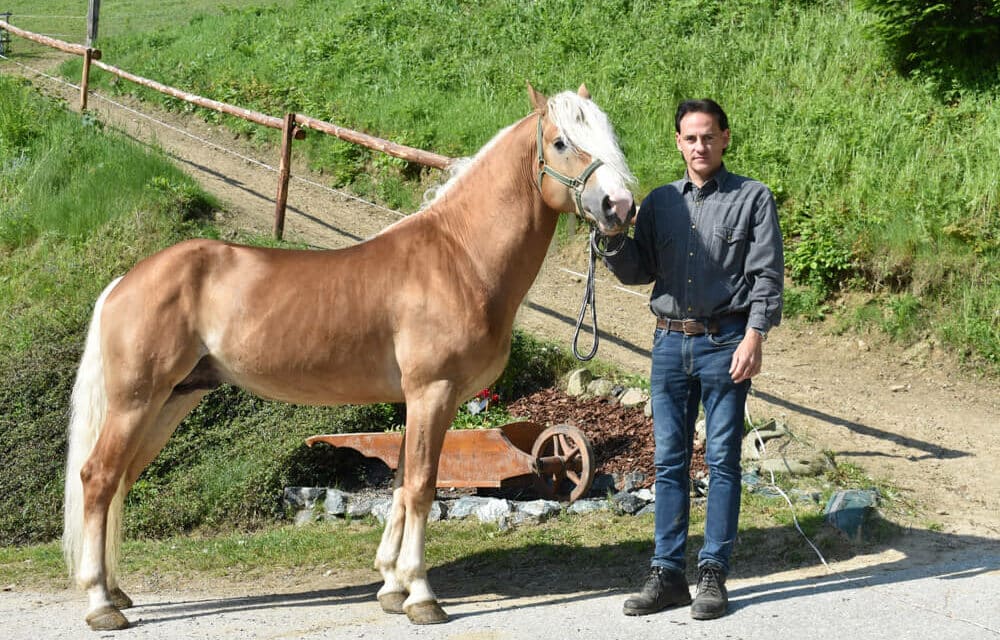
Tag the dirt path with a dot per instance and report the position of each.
(914, 417)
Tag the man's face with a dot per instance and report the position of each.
(701, 142)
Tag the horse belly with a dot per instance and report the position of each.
(351, 378)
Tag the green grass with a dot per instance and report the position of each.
(614, 549)
(883, 181)
(884, 188)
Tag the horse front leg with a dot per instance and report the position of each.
(428, 417)
(392, 594)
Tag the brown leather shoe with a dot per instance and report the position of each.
(663, 588)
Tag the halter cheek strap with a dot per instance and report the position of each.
(576, 184)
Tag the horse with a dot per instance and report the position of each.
(420, 313)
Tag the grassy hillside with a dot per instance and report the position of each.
(886, 184)
(79, 206)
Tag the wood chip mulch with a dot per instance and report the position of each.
(622, 438)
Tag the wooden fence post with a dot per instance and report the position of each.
(288, 131)
(87, 55)
(93, 17)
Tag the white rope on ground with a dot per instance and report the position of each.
(881, 588)
(774, 485)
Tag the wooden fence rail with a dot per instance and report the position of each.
(290, 125)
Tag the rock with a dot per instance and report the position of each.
(699, 430)
(464, 507)
(535, 511)
(380, 509)
(751, 480)
(336, 502)
(494, 510)
(648, 409)
(602, 485)
(486, 509)
(850, 510)
(699, 487)
(438, 511)
(648, 509)
(600, 388)
(633, 397)
(646, 495)
(587, 506)
(625, 502)
(577, 383)
(792, 466)
(305, 516)
(359, 507)
(302, 497)
(630, 481)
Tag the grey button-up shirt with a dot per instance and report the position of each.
(711, 252)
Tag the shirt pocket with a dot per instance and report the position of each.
(728, 247)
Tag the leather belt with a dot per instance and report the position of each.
(689, 327)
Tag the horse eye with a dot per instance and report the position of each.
(559, 144)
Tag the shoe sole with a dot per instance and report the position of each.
(707, 615)
(645, 612)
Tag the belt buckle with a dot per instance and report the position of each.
(692, 328)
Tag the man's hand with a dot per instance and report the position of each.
(748, 357)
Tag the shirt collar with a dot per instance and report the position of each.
(718, 179)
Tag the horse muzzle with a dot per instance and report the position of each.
(614, 214)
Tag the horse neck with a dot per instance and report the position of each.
(495, 215)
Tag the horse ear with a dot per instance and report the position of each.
(582, 92)
(538, 100)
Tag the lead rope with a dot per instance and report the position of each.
(598, 246)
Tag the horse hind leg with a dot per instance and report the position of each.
(115, 465)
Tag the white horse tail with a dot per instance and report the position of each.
(88, 407)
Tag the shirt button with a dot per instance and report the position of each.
(691, 254)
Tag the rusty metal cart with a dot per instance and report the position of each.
(558, 460)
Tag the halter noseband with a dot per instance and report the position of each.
(576, 184)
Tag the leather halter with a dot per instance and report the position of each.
(576, 184)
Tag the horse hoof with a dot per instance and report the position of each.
(120, 599)
(426, 613)
(392, 602)
(107, 619)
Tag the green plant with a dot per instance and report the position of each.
(952, 39)
(817, 257)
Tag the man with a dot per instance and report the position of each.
(711, 244)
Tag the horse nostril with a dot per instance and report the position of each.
(606, 205)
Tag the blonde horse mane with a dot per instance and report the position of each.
(583, 125)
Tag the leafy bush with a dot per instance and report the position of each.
(958, 39)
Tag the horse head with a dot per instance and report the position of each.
(580, 165)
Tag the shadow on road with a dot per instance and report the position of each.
(545, 575)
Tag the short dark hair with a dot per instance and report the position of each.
(705, 105)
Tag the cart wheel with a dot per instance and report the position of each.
(564, 462)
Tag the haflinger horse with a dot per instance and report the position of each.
(420, 313)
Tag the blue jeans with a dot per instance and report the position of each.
(688, 371)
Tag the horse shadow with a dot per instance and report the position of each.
(549, 574)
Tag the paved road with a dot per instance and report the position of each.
(954, 597)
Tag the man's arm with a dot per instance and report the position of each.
(765, 267)
(635, 262)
